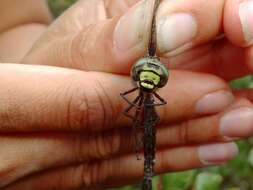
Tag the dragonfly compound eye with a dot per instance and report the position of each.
(151, 70)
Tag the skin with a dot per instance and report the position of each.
(21, 29)
(69, 114)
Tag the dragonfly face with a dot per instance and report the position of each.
(149, 80)
(149, 74)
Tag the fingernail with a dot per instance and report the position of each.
(217, 153)
(214, 102)
(129, 29)
(237, 123)
(246, 17)
(176, 31)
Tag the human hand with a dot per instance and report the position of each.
(20, 29)
(64, 129)
(213, 37)
(104, 156)
(209, 36)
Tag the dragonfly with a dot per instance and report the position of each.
(148, 75)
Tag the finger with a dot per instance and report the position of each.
(68, 149)
(16, 42)
(79, 15)
(221, 58)
(118, 7)
(231, 61)
(37, 12)
(93, 42)
(25, 154)
(92, 11)
(238, 22)
(84, 13)
(234, 123)
(62, 99)
(125, 169)
(246, 93)
(113, 45)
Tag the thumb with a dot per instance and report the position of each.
(245, 93)
(108, 45)
(112, 45)
(118, 7)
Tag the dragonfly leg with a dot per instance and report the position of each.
(125, 112)
(138, 143)
(136, 129)
(137, 103)
(129, 91)
(156, 120)
(123, 95)
(162, 101)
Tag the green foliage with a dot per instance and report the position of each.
(208, 181)
(236, 175)
(178, 180)
(245, 82)
(58, 6)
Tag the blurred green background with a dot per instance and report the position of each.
(236, 175)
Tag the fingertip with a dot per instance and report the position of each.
(114, 44)
(237, 123)
(214, 102)
(129, 30)
(213, 154)
(238, 22)
(183, 25)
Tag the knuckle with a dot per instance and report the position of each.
(81, 147)
(8, 172)
(183, 133)
(107, 144)
(162, 164)
(89, 106)
(79, 47)
(91, 175)
(102, 146)
(97, 146)
(105, 106)
(81, 175)
(77, 108)
(86, 175)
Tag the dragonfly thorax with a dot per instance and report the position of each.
(149, 74)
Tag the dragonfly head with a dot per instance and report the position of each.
(149, 80)
(149, 74)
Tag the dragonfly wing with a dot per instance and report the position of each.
(138, 127)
